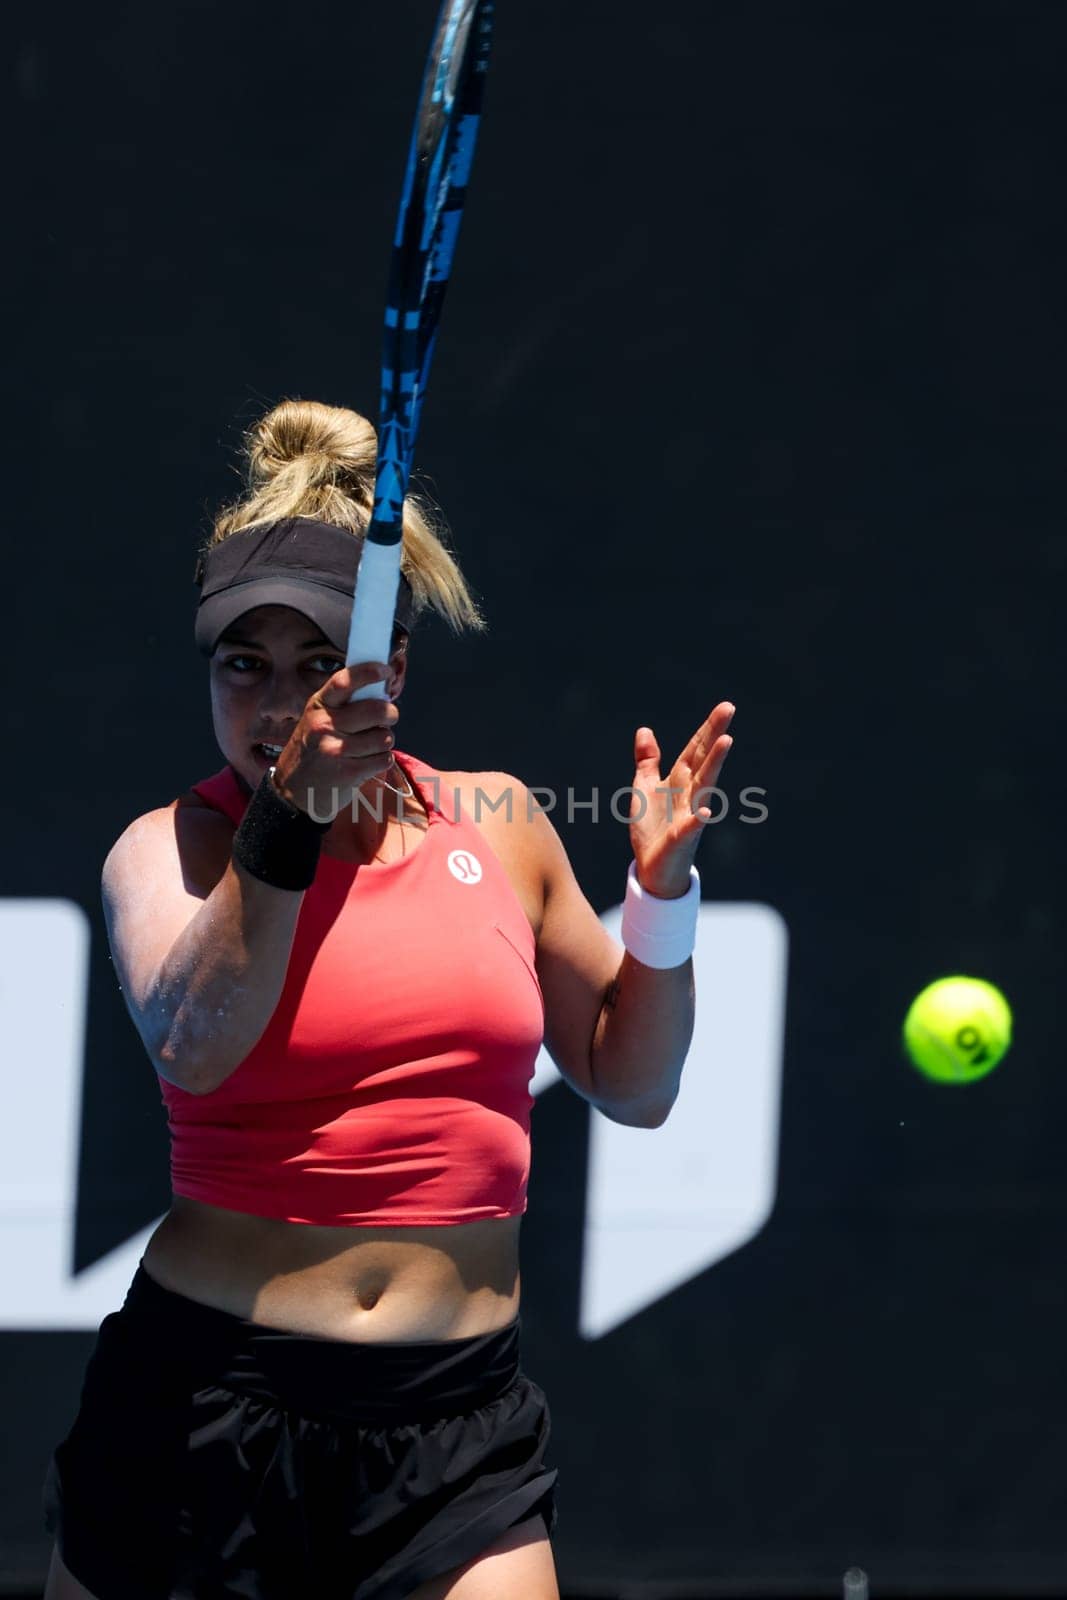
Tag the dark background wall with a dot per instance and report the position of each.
(750, 386)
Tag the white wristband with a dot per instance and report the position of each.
(659, 932)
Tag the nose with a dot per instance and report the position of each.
(282, 699)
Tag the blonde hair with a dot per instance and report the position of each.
(306, 459)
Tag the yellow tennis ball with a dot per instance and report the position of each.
(957, 1029)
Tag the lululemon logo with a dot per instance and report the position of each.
(464, 866)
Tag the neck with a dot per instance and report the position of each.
(359, 831)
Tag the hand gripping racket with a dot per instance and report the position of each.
(431, 208)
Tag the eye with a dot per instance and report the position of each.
(327, 664)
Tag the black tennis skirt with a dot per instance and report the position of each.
(214, 1457)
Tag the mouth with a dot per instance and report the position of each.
(266, 754)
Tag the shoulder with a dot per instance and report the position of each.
(490, 794)
(191, 799)
(507, 810)
(193, 840)
(491, 789)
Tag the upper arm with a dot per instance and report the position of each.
(157, 875)
(576, 959)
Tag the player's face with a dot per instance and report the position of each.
(265, 668)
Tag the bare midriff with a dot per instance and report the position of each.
(361, 1283)
(396, 1284)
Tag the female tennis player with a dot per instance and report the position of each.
(342, 962)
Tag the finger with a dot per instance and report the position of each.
(713, 726)
(713, 763)
(339, 688)
(716, 722)
(646, 753)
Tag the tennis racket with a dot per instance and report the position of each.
(431, 208)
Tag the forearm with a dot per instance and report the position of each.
(219, 983)
(641, 1040)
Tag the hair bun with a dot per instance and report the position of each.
(330, 444)
(306, 459)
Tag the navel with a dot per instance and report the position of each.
(369, 1294)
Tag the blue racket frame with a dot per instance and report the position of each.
(424, 244)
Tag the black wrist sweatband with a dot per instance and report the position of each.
(277, 842)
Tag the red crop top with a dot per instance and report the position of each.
(391, 1084)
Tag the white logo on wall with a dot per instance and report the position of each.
(464, 865)
(663, 1204)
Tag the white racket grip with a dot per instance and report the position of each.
(370, 632)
